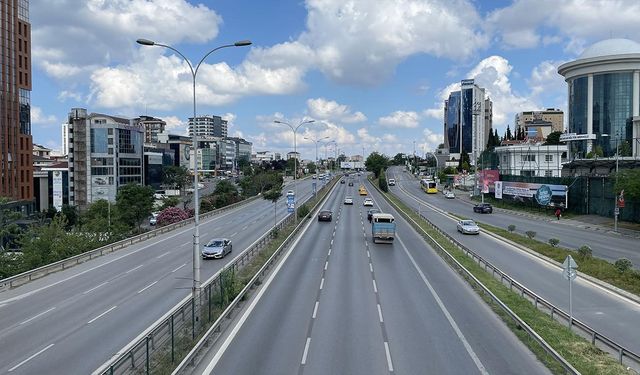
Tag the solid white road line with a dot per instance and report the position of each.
(178, 268)
(30, 358)
(134, 268)
(446, 313)
(389, 363)
(380, 314)
(37, 316)
(148, 286)
(306, 351)
(101, 315)
(315, 309)
(95, 287)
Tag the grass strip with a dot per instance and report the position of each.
(601, 269)
(585, 357)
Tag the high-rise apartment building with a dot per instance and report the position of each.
(16, 166)
(105, 153)
(152, 127)
(468, 118)
(208, 126)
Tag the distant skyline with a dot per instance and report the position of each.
(371, 73)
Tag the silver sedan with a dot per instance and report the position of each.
(468, 227)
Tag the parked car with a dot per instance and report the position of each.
(153, 220)
(370, 213)
(468, 227)
(348, 200)
(324, 215)
(450, 195)
(392, 182)
(217, 248)
(483, 208)
(367, 202)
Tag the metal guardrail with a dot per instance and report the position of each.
(161, 343)
(624, 356)
(27, 276)
(477, 283)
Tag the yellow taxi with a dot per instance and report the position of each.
(362, 190)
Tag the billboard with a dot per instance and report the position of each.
(486, 178)
(542, 194)
(351, 165)
(57, 190)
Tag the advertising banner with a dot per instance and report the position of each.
(291, 205)
(486, 179)
(542, 194)
(498, 189)
(57, 190)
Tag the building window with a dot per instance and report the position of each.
(528, 158)
(548, 158)
(548, 173)
(99, 141)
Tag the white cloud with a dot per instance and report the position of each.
(175, 125)
(545, 79)
(39, 118)
(324, 109)
(400, 119)
(431, 139)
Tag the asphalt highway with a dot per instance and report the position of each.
(340, 304)
(608, 313)
(72, 321)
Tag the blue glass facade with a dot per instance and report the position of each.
(466, 119)
(612, 109)
(453, 122)
(99, 140)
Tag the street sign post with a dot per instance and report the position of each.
(569, 272)
(291, 205)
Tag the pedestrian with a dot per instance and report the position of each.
(558, 213)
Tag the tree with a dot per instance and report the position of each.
(71, 214)
(100, 219)
(176, 177)
(508, 135)
(463, 163)
(398, 159)
(134, 204)
(224, 194)
(629, 181)
(312, 167)
(382, 182)
(169, 202)
(273, 195)
(9, 229)
(171, 215)
(244, 165)
(553, 139)
(376, 163)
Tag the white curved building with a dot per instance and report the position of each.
(604, 98)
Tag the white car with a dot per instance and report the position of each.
(348, 200)
(153, 220)
(290, 192)
(367, 202)
(468, 227)
(450, 195)
(392, 182)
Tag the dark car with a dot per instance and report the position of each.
(324, 215)
(483, 208)
(217, 248)
(342, 181)
(370, 213)
(350, 183)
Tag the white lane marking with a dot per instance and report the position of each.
(245, 227)
(326, 264)
(375, 287)
(315, 310)
(252, 306)
(371, 267)
(329, 252)
(233, 234)
(101, 315)
(95, 287)
(148, 286)
(161, 255)
(133, 269)
(368, 254)
(306, 351)
(186, 243)
(321, 283)
(179, 268)
(380, 314)
(332, 242)
(30, 358)
(389, 363)
(37, 316)
(452, 322)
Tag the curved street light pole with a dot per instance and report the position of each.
(196, 234)
(294, 129)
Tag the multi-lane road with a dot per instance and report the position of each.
(606, 312)
(340, 304)
(72, 321)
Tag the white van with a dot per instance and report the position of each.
(392, 182)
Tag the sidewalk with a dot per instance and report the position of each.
(591, 222)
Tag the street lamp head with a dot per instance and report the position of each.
(309, 121)
(242, 43)
(146, 42)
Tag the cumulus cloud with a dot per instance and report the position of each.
(529, 23)
(324, 109)
(40, 118)
(400, 119)
(176, 126)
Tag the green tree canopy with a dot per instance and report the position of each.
(376, 163)
(554, 139)
(134, 204)
(398, 159)
(629, 181)
(175, 177)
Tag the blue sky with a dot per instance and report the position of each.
(372, 73)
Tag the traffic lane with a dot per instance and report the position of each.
(450, 329)
(114, 300)
(604, 311)
(346, 337)
(274, 334)
(604, 245)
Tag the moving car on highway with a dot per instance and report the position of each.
(483, 208)
(392, 182)
(362, 190)
(468, 227)
(217, 248)
(348, 200)
(367, 202)
(324, 215)
(450, 195)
